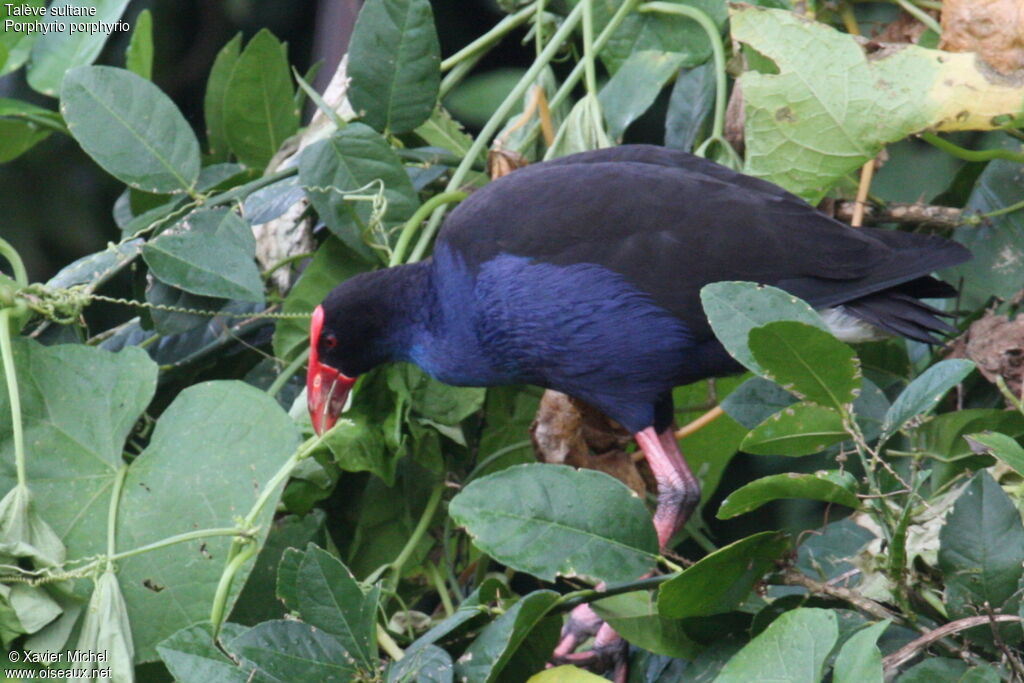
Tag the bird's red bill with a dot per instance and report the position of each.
(326, 388)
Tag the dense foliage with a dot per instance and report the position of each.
(165, 501)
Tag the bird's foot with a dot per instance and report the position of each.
(609, 651)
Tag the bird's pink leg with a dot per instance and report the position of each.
(678, 495)
(678, 489)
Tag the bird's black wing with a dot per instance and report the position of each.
(672, 223)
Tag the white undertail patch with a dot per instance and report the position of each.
(849, 328)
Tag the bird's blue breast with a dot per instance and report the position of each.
(580, 328)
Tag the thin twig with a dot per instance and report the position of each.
(792, 577)
(944, 217)
(910, 650)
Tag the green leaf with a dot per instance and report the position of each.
(272, 201)
(94, 266)
(693, 98)
(656, 31)
(138, 58)
(804, 135)
(634, 87)
(214, 99)
(935, 670)
(1003, 447)
(565, 674)
(998, 263)
(635, 617)
(551, 520)
(829, 554)
(330, 599)
(800, 429)
(200, 450)
(209, 253)
(433, 400)
(192, 656)
(332, 264)
(259, 106)
(19, 136)
(255, 603)
(859, 660)
(493, 648)
(106, 629)
(131, 129)
(735, 308)
(441, 130)
(394, 64)
(980, 547)
(755, 401)
(16, 45)
(943, 437)
(921, 396)
(807, 362)
(827, 486)
(474, 608)
(23, 533)
(176, 322)
(723, 579)
(427, 664)
(358, 444)
(292, 651)
(793, 648)
(54, 53)
(582, 131)
(356, 158)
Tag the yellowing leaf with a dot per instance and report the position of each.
(831, 106)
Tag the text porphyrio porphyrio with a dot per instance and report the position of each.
(583, 275)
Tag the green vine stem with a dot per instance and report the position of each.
(919, 14)
(414, 540)
(508, 24)
(409, 229)
(17, 265)
(243, 552)
(10, 374)
(970, 154)
(491, 127)
(115, 499)
(287, 373)
(718, 53)
(243, 547)
(196, 535)
(589, 69)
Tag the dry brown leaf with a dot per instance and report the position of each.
(992, 28)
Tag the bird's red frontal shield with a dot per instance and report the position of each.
(326, 388)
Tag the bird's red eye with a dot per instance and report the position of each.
(330, 341)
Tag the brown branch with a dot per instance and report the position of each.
(944, 217)
(911, 649)
(792, 577)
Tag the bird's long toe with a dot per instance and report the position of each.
(609, 653)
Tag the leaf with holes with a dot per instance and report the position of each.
(735, 308)
(130, 128)
(807, 362)
(800, 429)
(210, 253)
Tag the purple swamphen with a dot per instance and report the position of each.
(583, 275)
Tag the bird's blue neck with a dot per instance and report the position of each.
(430, 309)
